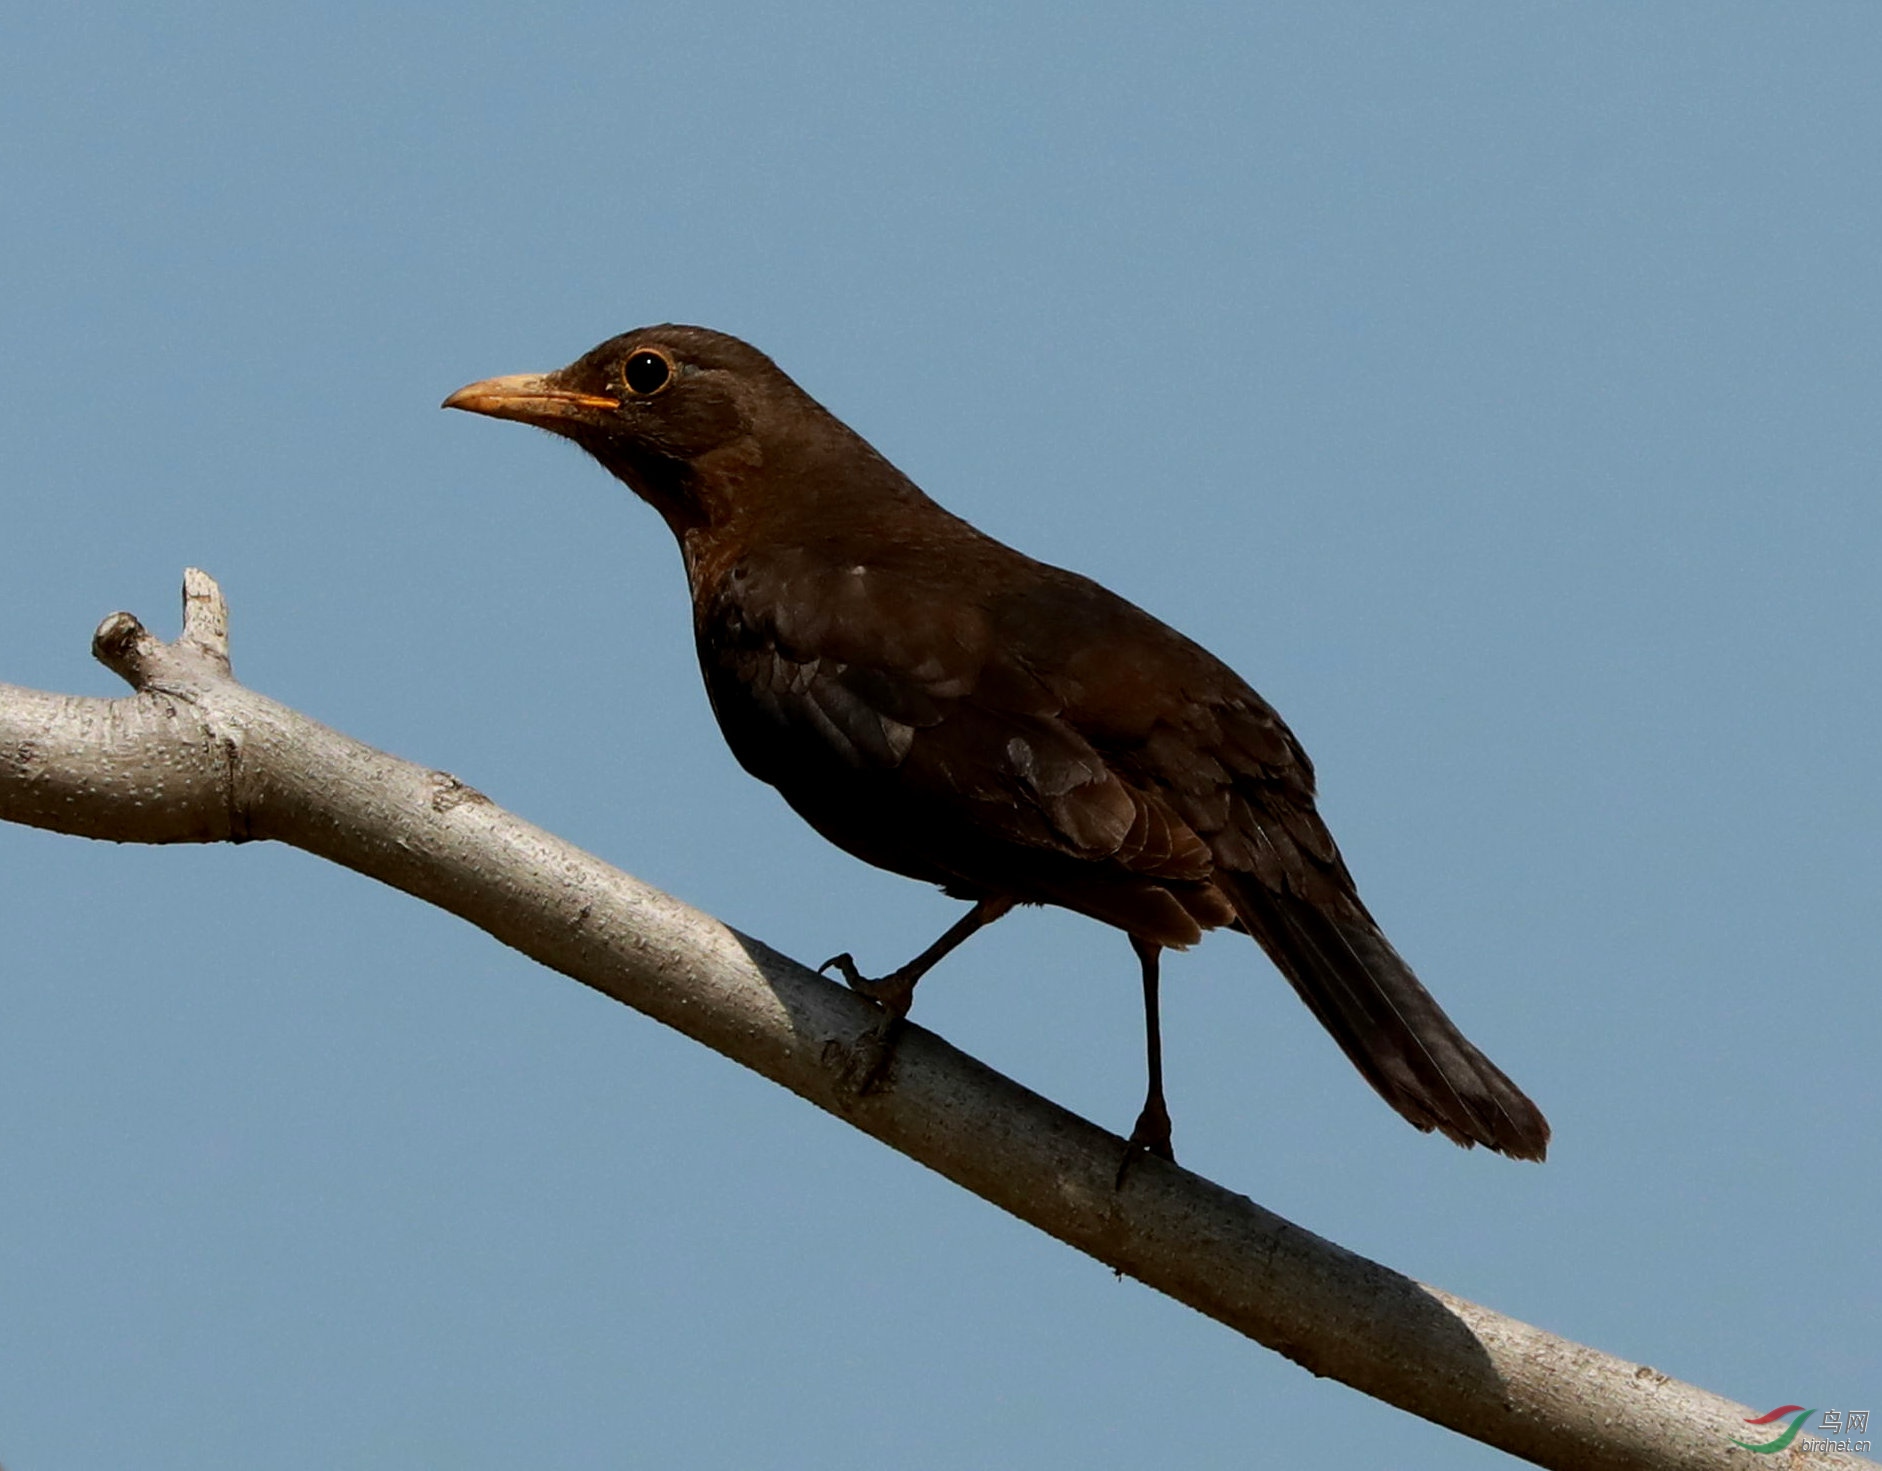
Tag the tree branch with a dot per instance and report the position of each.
(192, 756)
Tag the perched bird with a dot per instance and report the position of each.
(945, 707)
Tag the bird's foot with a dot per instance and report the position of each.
(894, 993)
(1151, 1136)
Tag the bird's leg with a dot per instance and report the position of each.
(895, 992)
(1152, 1134)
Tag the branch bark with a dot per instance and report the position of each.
(193, 757)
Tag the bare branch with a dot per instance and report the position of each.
(192, 756)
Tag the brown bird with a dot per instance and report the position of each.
(945, 707)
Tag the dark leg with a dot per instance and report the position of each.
(895, 992)
(1152, 1134)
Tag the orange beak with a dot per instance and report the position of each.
(527, 397)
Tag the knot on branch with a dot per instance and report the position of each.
(145, 662)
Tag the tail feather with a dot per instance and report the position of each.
(1396, 1034)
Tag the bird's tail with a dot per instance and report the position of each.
(1396, 1035)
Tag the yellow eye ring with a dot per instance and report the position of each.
(646, 371)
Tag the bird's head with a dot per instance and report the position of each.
(687, 417)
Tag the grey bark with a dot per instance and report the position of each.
(193, 757)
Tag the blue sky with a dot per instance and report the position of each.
(1494, 385)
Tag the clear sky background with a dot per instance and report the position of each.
(1494, 385)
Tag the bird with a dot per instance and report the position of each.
(943, 706)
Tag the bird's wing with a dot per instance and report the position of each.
(1234, 771)
(818, 667)
(1173, 723)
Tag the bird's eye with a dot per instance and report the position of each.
(647, 372)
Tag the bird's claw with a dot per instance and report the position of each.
(1151, 1136)
(894, 993)
(845, 966)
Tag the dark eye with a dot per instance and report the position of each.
(647, 372)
